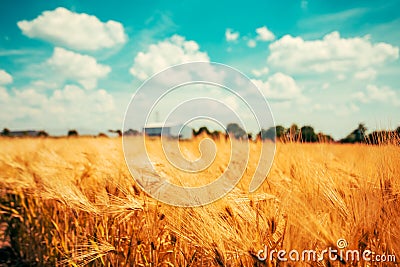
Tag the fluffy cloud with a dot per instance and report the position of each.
(231, 36)
(264, 34)
(340, 109)
(325, 85)
(172, 51)
(73, 66)
(73, 96)
(5, 77)
(78, 31)
(279, 86)
(260, 72)
(70, 106)
(31, 97)
(332, 53)
(3, 94)
(380, 94)
(367, 74)
(251, 43)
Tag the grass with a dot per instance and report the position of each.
(73, 202)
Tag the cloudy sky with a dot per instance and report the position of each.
(76, 64)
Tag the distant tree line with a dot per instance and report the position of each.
(204, 131)
(359, 135)
(305, 134)
(26, 133)
(280, 133)
(384, 137)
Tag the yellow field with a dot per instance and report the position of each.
(73, 202)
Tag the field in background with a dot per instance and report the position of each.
(73, 202)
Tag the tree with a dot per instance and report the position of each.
(323, 138)
(249, 136)
(360, 132)
(280, 131)
(267, 134)
(356, 136)
(272, 133)
(129, 132)
(73, 133)
(201, 130)
(308, 134)
(5, 132)
(293, 132)
(42, 134)
(216, 135)
(119, 132)
(236, 130)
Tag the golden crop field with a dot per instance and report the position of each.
(73, 202)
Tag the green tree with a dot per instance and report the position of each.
(280, 131)
(272, 133)
(308, 134)
(267, 134)
(42, 134)
(356, 136)
(201, 130)
(360, 132)
(5, 132)
(293, 132)
(236, 130)
(73, 133)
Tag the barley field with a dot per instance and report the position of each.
(73, 202)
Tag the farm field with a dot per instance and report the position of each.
(73, 202)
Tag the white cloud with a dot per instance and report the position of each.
(260, 72)
(325, 86)
(346, 109)
(81, 68)
(380, 94)
(31, 97)
(231, 102)
(279, 86)
(341, 77)
(72, 95)
(251, 43)
(354, 108)
(367, 74)
(264, 34)
(172, 51)
(332, 53)
(44, 85)
(78, 31)
(3, 94)
(340, 109)
(318, 106)
(5, 77)
(231, 36)
(68, 107)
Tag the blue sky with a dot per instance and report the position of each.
(76, 64)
